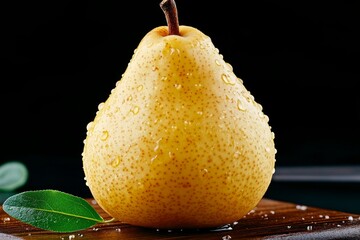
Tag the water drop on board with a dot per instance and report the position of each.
(177, 86)
(227, 237)
(217, 62)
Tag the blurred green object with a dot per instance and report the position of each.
(13, 175)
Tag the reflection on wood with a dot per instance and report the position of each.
(269, 220)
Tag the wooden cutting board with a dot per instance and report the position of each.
(271, 219)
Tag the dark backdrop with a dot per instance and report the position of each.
(60, 59)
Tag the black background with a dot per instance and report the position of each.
(60, 59)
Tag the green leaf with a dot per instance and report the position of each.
(12, 175)
(52, 210)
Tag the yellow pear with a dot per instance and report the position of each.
(180, 142)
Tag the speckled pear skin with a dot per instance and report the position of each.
(180, 142)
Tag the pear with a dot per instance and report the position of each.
(180, 142)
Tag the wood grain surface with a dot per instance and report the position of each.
(271, 219)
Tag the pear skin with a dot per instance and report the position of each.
(180, 142)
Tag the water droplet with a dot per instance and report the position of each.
(164, 78)
(157, 144)
(273, 171)
(261, 114)
(273, 135)
(115, 162)
(198, 85)
(350, 218)
(309, 228)
(226, 237)
(267, 149)
(199, 113)
(204, 171)
(171, 155)
(177, 86)
(189, 74)
(174, 127)
(217, 62)
(118, 229)
(135, 110)
(100, 106)
(153, 158)
(186, 122)
(104, 135)
(288, 227)
(237, 154)
(229, 67)
(301, 207)
(266, 118)
(240, 105)
(226, 79)
(89, 125)
(140, 87)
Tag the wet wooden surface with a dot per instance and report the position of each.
(269, 220)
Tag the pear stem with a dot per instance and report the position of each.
(172, 19)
